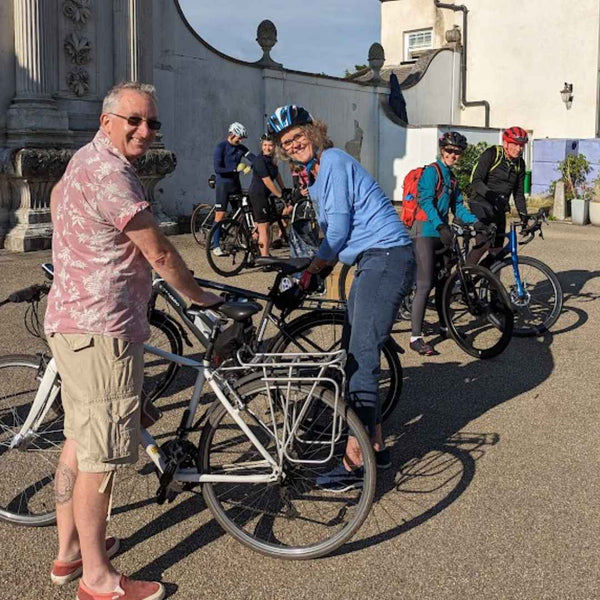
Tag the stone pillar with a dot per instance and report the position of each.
(33, 107)
(32, 173)
(132, 40)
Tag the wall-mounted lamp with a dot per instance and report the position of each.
(567, 94)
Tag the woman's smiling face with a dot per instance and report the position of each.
(297, 146)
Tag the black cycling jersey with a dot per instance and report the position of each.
(506, 178)
(263, 166)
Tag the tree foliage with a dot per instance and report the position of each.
(465, 164)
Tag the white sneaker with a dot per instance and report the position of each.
(217, 251)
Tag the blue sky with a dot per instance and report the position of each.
(320, 36)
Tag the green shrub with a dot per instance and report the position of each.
(573, 170)
(464, 165)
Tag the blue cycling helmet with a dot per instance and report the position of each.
(287, 116)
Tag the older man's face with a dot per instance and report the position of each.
(132, 141)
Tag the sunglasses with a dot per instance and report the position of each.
(455, 151)
(153, 124)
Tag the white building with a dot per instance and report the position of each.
(519, 54)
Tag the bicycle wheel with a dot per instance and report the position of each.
(160, 372)
(203, 218)
(292, 517)
(231, 254)
(478, 312)
(345, 280)
(321, 331)
(540, 306)
(27, 472)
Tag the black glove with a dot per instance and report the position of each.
(480, 227)
(286, 195)
(446, 236)
(524, 219)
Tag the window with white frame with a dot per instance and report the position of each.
(416, 42)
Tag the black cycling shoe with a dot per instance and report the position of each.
(422, 347)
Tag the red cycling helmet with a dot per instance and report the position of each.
(515, 135)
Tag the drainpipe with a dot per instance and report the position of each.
(463, 60)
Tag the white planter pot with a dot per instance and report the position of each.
(580, 211)
(595, 213)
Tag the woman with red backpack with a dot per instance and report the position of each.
(438, 194)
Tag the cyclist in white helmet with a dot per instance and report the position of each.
(226, 158)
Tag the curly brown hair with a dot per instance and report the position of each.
(316, 132)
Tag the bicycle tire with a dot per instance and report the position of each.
(26, 474)
(534, 314)
(234, 242)
(202, 221)
(296, 337)
(292, 518)
(487, 312)
(160, 372)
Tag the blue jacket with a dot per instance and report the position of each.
(354, 213)
(427, 201)
(226, 158)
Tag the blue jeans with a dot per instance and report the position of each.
(384, 276)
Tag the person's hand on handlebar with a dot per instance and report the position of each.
(482, 228)
(209, 300)
(446, 235)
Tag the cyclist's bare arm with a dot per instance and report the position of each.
(143, 231)
(271, 186)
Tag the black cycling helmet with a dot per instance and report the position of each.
(265, 137)
(287, 116)
(453, 138)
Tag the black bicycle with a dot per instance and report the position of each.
(290, 321)
(233, 242)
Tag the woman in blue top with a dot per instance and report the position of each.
(360, 226)
(434, 233)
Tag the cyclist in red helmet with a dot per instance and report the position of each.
(499, 173)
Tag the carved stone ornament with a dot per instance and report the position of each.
(156, 163)
(78, 81)
(77, 11)
(266, 35)
(47, 164)
(78, 48)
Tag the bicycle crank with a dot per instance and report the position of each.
(178, 454)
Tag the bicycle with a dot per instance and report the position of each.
(534, 289)
(262, 445)
(318, 329)
(233, 243)
(475, 306)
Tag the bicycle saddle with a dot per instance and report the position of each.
(286, 266)
(238, 311)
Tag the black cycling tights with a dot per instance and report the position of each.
(425, 248)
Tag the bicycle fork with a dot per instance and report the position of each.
(515, 261)
(46, 395)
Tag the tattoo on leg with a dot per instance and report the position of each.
(64, 482)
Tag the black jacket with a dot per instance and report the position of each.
(507, 178)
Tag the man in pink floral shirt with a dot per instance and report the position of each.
(104, 247)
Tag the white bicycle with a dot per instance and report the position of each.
(277, 424)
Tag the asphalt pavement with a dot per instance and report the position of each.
(494, 491)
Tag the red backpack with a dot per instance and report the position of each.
(411, 211)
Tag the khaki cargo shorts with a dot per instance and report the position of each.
(102, 381)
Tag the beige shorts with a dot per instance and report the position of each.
(102, 381)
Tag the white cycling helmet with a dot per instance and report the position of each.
(238, 129)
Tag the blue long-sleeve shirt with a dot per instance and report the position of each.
(354, 213)
(226, 158)
(427, 201)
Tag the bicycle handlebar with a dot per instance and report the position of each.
(528, 232)
(32, 293)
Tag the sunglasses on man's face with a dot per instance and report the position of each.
(455, 151)
(153, 124)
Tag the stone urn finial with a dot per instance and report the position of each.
(376, 59)
(453, 36)
(266, 36)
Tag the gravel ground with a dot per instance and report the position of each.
(494, 490)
